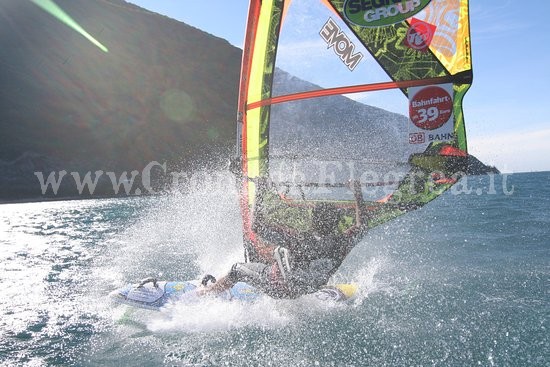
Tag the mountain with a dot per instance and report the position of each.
(339, 126)
(165, 93)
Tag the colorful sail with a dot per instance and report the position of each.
(339, 90)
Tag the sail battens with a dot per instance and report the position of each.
(352, 89)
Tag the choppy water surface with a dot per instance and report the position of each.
(463, 281)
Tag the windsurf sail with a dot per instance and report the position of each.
(339, 90)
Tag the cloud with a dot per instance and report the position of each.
(519, 151)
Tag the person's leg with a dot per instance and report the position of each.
(222, 284)
(253, 273)
(309, 279)
(282, 257)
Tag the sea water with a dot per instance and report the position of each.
(464, 281)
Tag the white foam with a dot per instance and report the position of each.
(210, 314)
(198, 230)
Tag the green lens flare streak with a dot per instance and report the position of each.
(56, 11)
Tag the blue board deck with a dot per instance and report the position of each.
(153, 294)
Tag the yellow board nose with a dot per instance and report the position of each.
(348, 289)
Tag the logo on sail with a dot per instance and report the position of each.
(419, 35)
(341, 44)
(380, 13)
(430, 107)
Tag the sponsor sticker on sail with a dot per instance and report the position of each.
(419, 35)
(381, 13)
(430, 114)
(332, 34)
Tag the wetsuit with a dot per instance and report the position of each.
(313, 261)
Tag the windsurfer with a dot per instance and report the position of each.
(303, 262)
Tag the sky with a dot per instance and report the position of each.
(507, 109)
